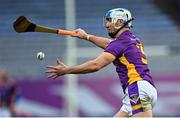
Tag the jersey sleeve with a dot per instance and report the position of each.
(114, 49)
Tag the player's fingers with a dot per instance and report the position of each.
(55, 77)
(51, 76)
(77, 33)
(51, 71)
(74, 33)
(52, 67)
(58, 61)
(76, 30)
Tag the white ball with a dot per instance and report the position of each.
(40, 55)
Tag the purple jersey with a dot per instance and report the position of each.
(130, 60)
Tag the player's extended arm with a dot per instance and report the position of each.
(101, 42)
(87, 67)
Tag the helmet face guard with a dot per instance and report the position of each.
(115, 14)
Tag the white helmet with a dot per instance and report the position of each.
(119, 13)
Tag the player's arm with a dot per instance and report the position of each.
(101, 42)
(87, 67)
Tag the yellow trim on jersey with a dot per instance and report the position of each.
(132, 73)
(140, 46)
(144, 60)
(109, 54)
(136, 107)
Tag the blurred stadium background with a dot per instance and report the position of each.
(157, 24)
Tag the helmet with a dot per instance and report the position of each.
(119, 13)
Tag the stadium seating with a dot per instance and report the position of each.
(151, 25)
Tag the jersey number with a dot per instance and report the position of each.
(140, 46)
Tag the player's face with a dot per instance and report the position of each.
(110, 26)
(113, 27)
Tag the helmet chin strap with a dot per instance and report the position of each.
(112, 35)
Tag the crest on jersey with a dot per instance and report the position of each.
(134, 98)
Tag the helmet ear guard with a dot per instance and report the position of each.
(128, 21)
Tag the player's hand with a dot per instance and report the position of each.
(80, 33)
(57, 70)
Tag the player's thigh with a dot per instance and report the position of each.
(121, 114)
(148, 114)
